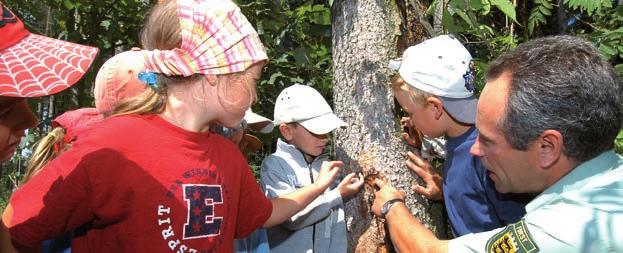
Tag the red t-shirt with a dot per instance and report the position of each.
(141, 184)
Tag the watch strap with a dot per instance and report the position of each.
(388, 205)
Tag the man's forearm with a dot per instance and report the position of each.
(408, 234)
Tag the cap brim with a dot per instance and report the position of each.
(258, 122)
(40, 66)
(252, 144)
(76, 121)
(461, 109)
(323, 124)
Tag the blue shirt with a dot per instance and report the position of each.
(256, 242)
(472, 203)
(581, 212)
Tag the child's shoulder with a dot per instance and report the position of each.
(281, 162)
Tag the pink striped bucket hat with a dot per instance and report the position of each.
(216, 39)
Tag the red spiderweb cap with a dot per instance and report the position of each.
(33, 65)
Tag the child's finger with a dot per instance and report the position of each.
(357, 184)
(332, 164)
(421, 190)
(416, 159)
(417, 169)
(407, 138)
(349, 177)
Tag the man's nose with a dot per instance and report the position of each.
(475, 150)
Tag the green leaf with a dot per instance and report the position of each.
(620, 135)
(465, 17)
(506, 6)
(432, 7)
(619, 69)
(447, 21)
(274, 77)
(546, 4)
(545, 11)
(301, 56)
(476, 5)
(607, 50)
(297, 80)
(486, 7)
(68, 4)
(105, 24)
(458, 4)
(487, 29)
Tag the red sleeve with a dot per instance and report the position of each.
(254, 208)
(52, 202)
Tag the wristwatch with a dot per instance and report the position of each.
(388, 205)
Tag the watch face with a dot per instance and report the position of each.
(388, 205)
(385, 208)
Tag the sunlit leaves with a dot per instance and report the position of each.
(506, 6)
(539, 14)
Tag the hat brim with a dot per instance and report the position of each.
(461, 109)
(77, 121)
(252, 144)
(323, 124)
(40, 66)
(258, 122)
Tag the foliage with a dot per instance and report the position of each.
(482, 25)
(297, 36)
(110, 25)
(486, 36)
(539, 14)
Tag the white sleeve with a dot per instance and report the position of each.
(557, 227)
(471, 242)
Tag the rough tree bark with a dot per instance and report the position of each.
(366, 35)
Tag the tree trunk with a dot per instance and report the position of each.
(366, 35)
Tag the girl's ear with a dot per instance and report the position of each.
(211, 79)
(286, 131)
(436, 105)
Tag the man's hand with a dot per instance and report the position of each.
(350, 185)
(412, 136)
(433, 181)
(385, 193)
(327, 174)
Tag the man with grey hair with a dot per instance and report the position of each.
(547, 119)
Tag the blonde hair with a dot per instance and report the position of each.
(44, 151)
(161, 31)
(416, 95)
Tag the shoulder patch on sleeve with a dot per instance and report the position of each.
(515, 238)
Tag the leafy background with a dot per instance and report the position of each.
(297, 35)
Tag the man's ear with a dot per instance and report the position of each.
(550, 145)
(286, 131)
(436, 105)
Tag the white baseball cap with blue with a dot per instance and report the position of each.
(442, 66)
(305, 105)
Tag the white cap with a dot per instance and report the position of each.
(442, 66)
(258, 122)
(304, 105)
